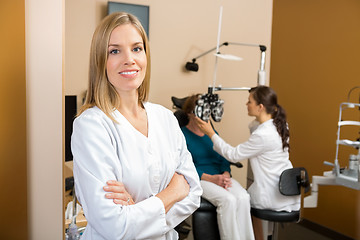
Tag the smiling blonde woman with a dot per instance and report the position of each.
(134, 176)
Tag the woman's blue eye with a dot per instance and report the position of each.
(137, 49)
(114, 51)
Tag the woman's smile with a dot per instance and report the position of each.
(129, 73)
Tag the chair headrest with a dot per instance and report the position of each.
(178, 102)
(182, 117)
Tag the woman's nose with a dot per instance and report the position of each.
(129, 59)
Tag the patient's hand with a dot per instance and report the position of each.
(227, 180)
(116, 191)
(223, 180)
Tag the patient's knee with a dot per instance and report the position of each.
(228, 201)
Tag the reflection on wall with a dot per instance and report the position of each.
(140, 11)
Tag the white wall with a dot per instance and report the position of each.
(180, 31)
(44, 50)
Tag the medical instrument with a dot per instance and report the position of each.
(347, 176)
(209, 104)
(73, 231)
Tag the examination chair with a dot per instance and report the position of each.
(204, 219)
(293, 181)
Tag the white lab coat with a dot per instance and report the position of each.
(268, 160)
(104, 150)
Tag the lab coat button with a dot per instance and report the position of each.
(156, 179)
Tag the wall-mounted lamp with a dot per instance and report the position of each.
(209, 104)
(194, 66)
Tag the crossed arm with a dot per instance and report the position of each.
(176, 191)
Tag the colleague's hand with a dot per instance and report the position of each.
(116, 191)
(205, 127)
(179, 185)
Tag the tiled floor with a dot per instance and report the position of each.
(298, 232)
(309, 231)
(295, 231)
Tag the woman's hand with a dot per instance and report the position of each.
(179, 184)
(205, 127)
(177, 189)
(118, 193)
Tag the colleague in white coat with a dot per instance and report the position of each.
(268, 151)
(126, 148)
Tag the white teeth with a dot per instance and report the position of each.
(128, 73)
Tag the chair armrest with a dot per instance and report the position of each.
(238, 164)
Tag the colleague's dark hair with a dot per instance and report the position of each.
(267, 97)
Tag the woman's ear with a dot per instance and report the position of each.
(261, 107)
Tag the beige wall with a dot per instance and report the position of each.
(180, 31)
(44, 117)
(314, 63)
(330, 70)
(13, 200)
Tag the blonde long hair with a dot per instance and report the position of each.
(101, 92)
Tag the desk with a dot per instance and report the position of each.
(68, 169)
(80, 218)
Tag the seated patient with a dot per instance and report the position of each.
(230, 198)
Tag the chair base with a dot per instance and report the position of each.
(204, 222)
(277, 217)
